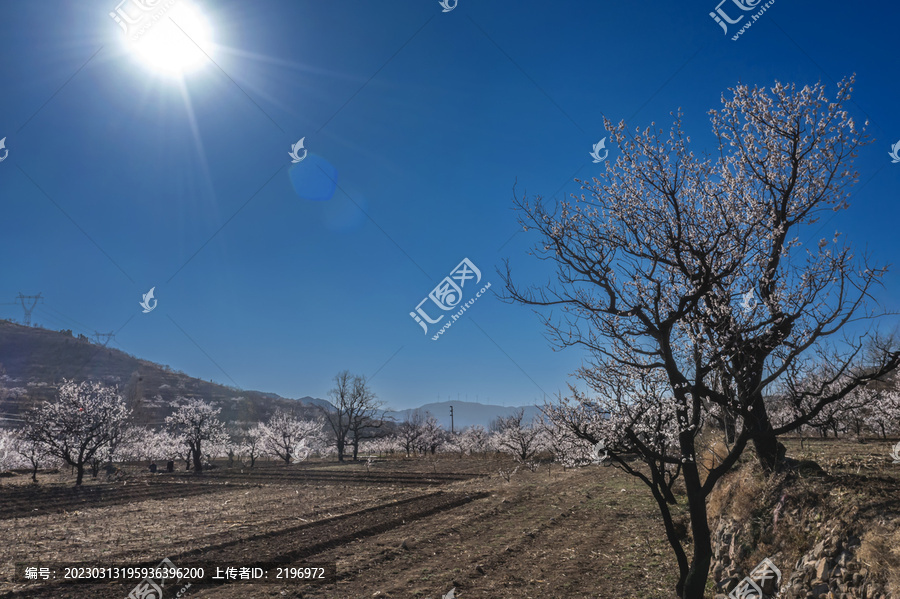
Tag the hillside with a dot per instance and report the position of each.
(33, 361)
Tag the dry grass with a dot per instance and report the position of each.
(881, 551)
(738, 494)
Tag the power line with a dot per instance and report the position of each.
(59, 314)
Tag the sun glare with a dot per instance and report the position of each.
(172, 44)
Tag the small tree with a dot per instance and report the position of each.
(567, 448)
(410, 430)
(433, 435)
(475, 440)
(196, 423)
(354, 410)
(365, 425)
(152, 445)
(286, 436)
(85, 418)
(9, 442)
(518, 438)
(251, 444)
(32, 453)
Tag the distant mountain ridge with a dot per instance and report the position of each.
(34, 361)
(466, 413)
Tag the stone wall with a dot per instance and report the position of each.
(830, 570)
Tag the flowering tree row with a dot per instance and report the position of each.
(89, 425)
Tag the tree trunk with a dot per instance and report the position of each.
(769, 451)
(80, 477)
(198, 458)
(340, 449)
(672, 536)
(730, 426)
(695, 582)
(355, 449)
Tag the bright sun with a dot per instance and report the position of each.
(170, 44)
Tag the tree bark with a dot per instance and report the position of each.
(769, 451)
(695, 582)
(730, 425)
(198, 458)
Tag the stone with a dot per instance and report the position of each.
(819, 549)
(823, 569)
(717, 572)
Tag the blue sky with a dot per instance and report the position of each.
(117, 175)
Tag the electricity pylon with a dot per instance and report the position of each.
(107, 336)
(28, 310)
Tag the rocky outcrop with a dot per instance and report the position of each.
(830, 570)
(831, 536)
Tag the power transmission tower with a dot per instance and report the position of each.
(451, 420)
(107, 336)
(29, 309)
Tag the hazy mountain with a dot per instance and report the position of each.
(466, 413)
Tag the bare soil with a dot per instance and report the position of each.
(405, 528)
